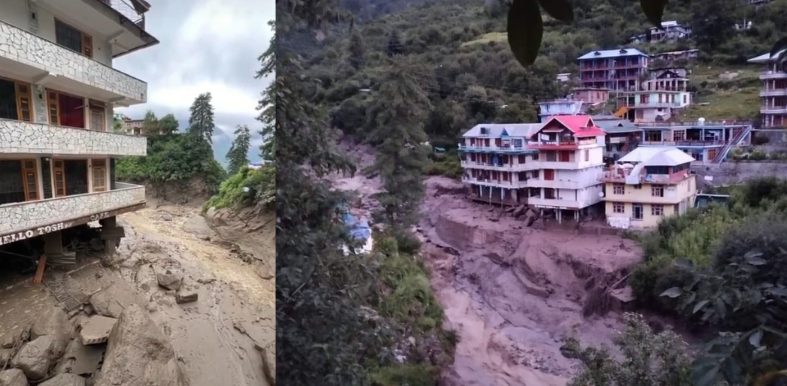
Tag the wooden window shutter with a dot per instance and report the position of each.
(30, 179)
(59, 173)
(99, 175)
(23, 102)
(87, 45)
(54, 107)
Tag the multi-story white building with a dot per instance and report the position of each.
(554, 165)
(774, 91)
(57, 93)
(657, 99)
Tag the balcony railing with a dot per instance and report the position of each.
(125, 8)
(27, 216)
(51, 59)
(773, 109)
(773, 92)
(685, 143)
(501, 149)
(773, 74)
(37, 138)
(695, 124)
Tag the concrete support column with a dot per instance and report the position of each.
(110, 245)
(53, 243)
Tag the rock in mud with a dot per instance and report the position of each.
(35, 357)
(170, 280)
(97, 330)
(186, 296)
(269, 362)
(13, 377)
(54, 322)
(138, 354)
(108, 302)
(65, 380)
(5, 356)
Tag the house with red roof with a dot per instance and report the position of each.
(570, 165)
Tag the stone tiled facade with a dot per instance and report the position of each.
(35, 138)
(24, 47)
(32, 214)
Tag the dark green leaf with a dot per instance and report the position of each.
(721, 309)
(685, 263)
(733, 371)
(755, 338)
(559, 9)
(699, 306)
(525, 30)
(653, 9)
(672, 292)
(688, 300)
(704, 374)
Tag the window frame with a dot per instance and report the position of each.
(85, 40)
(634, 207)
(19, 97)
(618, 207)
(657, 188)
(25, 184)
(657, 208)
(619, 187)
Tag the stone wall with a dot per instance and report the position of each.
(734, 173)
(36, 138)
(27, 215)
(24, 47)
(775, 137)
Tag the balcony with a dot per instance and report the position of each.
(555, 184)
(716, 143)
(31, 57)
(552, 203)
(774, 92)
(34, 218)
(36, 138)
(467, 164)
(498, 183)
(495, 149)
(773, 109)
(773, 75)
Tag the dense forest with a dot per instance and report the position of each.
(397, 74)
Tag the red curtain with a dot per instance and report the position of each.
(72, 111)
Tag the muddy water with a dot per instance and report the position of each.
(215, 337)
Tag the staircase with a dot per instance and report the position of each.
(734, 142)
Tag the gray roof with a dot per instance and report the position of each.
(766, 57)
(613, 126)
(612, 53)
(657, 156)
(495, 130)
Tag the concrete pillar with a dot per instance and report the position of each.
(110, 245)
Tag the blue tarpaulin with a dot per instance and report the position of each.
(360, 230)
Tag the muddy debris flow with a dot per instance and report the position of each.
(177, 304)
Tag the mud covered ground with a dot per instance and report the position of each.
(512, 292)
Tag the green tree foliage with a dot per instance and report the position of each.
(150, 124)
(247, 187)
(649, 359)
(395, 44)
(168, 125)
(238, 155)
(712, 22)
(117, 125)
(356, 51)
(201, 124)
(397, 117)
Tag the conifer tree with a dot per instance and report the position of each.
(238, 155)
(201, 123)
(150, 124)
(267, 105)
(168, 125)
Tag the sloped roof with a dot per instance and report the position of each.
(657, 156)
(495, 130)
(612, 53)
(765, 58)
(617, 125)
(579, 125)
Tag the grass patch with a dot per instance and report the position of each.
(737, 98)
(447, 164)
(260, 183)
(410, 299)
(488, 37)
(410, 375)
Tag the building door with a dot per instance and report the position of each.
(12, 189)
(99, 175)
(76, 177)
(97, 115)
(565, 156)
(8, 108)
(59, 177)
(711, 154)
(549, 174)
(638, 211)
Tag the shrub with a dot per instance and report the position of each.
(261, 185)
(410, 375)
(758, 155)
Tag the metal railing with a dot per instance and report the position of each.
(127, 10)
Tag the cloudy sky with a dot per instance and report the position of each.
(206, 45)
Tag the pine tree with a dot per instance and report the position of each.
(398, 114)
(201, 124)
(238, 155)
(395, 44)
(267, 104)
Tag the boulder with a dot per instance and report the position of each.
(110, 301)
(170, 280)
(54, 322)
(96, 330)
(138, 354)
(13, 377)
(186, 296)
(65, 380)
(35, 357)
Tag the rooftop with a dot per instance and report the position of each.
(612, 53)
(497, 130)
(766, 57)
(657, 156)
(615, 125)
(579, 125)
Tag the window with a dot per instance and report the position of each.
(73, 39)
(99, 175)
(551, 156)
(549, 174)
(535, 156)
(498, 142)
(638, 186)
(619, 189)
(679, 135)
(657, 210)
(97, 114)
(565, 156)
(59, 174)
(638, 211)
(587, 155)
(618, 207)
(517, 143)
(30, 177)
(653, 136)
(15, 102)
(521, 159)
(657, 191)
(486, 142)
(66, 110)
